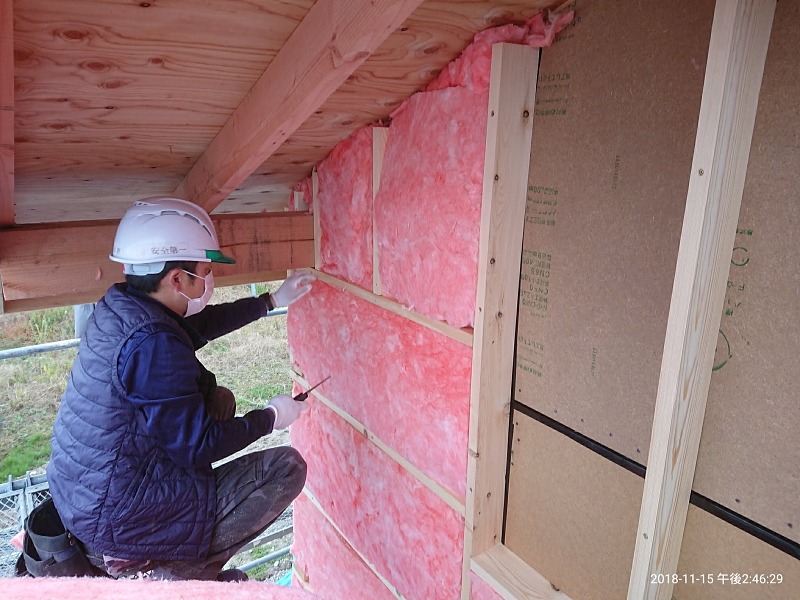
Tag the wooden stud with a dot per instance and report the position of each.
(443, 493)
(460, 335)
(334, 38)
(67, 263)
(512, 578)
(512, 94)
(299, 202)
(380, 136)
(6, 112)
(737, 53)
(317, 220)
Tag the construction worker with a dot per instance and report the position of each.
(142, 421)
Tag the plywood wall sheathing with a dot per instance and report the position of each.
(572, 514)
(750, 445)
(610, 164)
(736, 56)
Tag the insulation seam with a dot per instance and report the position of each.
(424, 479)
(318, 506)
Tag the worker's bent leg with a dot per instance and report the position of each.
(252, 491)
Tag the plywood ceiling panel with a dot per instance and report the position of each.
(116, 99)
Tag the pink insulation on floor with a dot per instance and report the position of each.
(407, 384)
(345, 209)
(128, 589)
(403, 529)
(334, 570)
(480, 590)
(428, 205)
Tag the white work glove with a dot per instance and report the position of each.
(287, 409)
(295, 287)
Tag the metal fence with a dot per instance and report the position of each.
(18, 497)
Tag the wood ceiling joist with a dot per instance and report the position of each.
(6, 112)
(42, 266)
(334, 38)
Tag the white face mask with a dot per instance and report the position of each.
(198, 304)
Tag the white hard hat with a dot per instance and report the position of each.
(157, 230)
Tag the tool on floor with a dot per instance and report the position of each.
(303, 395)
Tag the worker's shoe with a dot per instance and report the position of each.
(232, 575)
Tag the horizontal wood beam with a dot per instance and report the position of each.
(63, 264)
(511, 577)
(6, 112)
(333, 39)
(736, 56)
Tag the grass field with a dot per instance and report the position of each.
(253, 362)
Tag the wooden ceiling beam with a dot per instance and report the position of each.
(6, 112)
(42, 266)
(334, 38)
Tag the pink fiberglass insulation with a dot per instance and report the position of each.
(406, 532)
(345, 209)
(129, 589)
(428, 205)
(304, 186)
(480, 590)
(408, 384)
(334, 570)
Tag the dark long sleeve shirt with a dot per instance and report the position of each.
(163, 378)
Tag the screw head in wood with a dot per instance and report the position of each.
(526, 114)
(701, 172)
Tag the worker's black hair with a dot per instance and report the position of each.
(147, 284)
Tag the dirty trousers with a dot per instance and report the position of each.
(252, 491)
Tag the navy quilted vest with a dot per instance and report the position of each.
(114, 487)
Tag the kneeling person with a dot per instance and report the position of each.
(142, 421)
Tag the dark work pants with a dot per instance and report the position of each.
(252, 491)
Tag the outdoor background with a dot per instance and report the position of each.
(253, 362)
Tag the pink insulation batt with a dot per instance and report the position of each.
(428, 205)
(407, 384)
(345, 209)
(129, 589)
(480, 590)
(411, 537)
(334, 570)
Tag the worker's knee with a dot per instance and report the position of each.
(287, 464)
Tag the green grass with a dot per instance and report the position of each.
(32, 452)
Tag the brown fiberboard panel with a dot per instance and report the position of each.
(614, 130)
(572, 514)
(715, 554)
(749, 458)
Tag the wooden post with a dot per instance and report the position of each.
(380, 135)
(6, 112)
(317, 223)
(739, 39)
(81, 314)
(512, 94)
